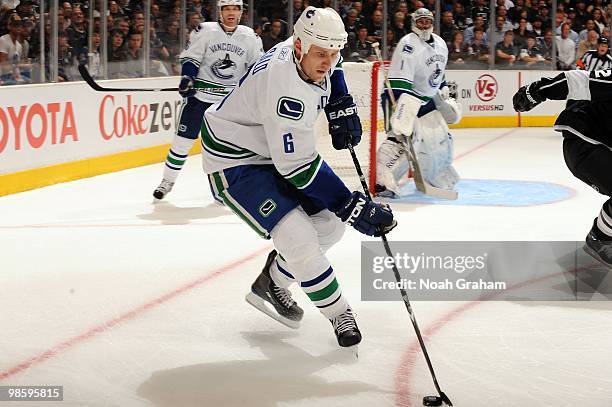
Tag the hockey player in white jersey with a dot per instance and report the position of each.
(259, 152)
(416, 76)
(217, 55)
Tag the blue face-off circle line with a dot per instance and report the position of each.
(492, 192)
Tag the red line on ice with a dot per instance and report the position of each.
(125, 317)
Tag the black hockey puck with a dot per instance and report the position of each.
(432, 401)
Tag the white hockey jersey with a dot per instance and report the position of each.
(222, 58)
(418, 67)
(269, 118)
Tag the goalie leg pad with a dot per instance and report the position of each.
(434, 147)
(391, 164)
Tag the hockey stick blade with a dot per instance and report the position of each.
(95, 86)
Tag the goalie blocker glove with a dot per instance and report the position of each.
(344, 123)
(367, 216)
(527, 97)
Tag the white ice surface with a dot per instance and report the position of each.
(127, 303)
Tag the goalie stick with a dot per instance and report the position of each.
(421, 184)
(442, 398)
(97, 87)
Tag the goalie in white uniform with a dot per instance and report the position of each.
(424, 108)
(216, 56)
(259, 152)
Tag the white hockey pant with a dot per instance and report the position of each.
(301, 242)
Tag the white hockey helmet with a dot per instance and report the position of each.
(420, 13)
(322, 27)
(223, 3)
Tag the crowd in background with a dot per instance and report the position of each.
(521, 35)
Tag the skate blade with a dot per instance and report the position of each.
(267, 309)
(587, 249)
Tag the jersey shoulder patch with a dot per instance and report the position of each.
(290, 108)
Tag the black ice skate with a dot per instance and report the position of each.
(346, 329)
(273, 300)
(163, 189)
(599, 246)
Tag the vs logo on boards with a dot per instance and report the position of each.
(290, 108)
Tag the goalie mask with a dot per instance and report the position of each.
(322, 27)
(419, 14)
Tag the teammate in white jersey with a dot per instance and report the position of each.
(259, 152)
(216, 57)
(416, 76)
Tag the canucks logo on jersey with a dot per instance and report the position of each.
(224, 68)
(436, 77)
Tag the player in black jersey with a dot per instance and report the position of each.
(586, 126)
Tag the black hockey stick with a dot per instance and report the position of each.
(421, 184)
(95, 86)
(432, 399)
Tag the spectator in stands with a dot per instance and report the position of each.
(531, 56)
(481, 9)
(589, 25)
(193, 20)
(123, 25)
(133, 66)
(399, 26)
(501, 27)
(468, 34)
(298, 7)
(172, 42)
(350, 24)
(66, 59)
(92, 58)
(447, 26)
(566, 49)
(477, 50)
(521, 34)
(114, 10)
(573, 35)
(375, 27)
(67, 12)
(456, 52)
(546, 45)
(116, 54)
(156, 18)
(391, 42)
(461, 19)
(12, 54)
(506, 51)
(581, 14)
(537, 28)
(599, 19)
(357, 5)
(362, 48)
(272, 37)
(77, 32)
(590, 43)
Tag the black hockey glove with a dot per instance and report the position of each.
(344, 124)
(186, 86)
(527, 97)
(367, 216)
